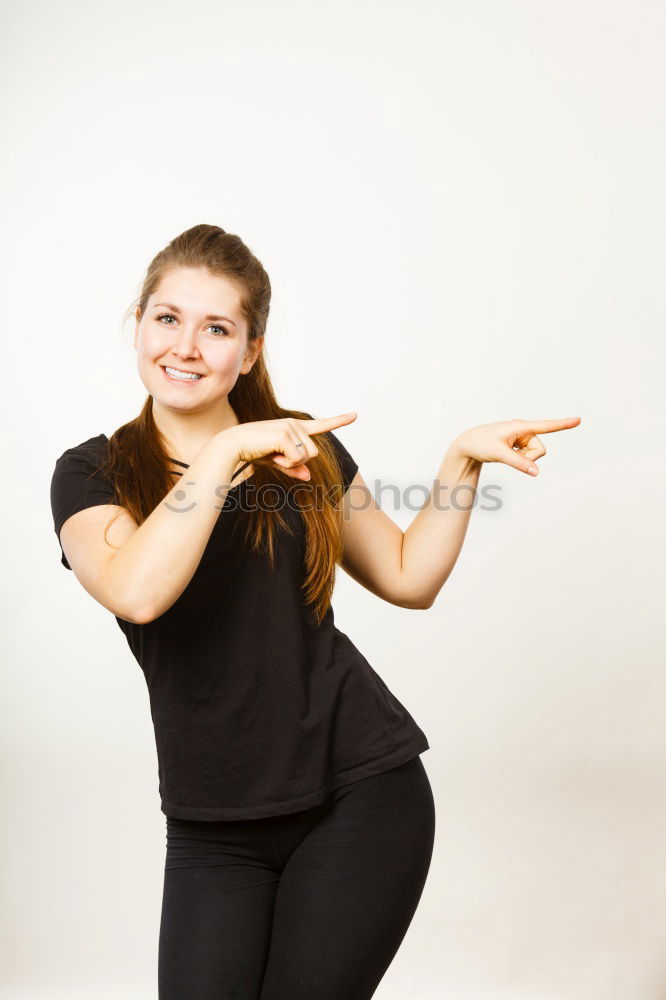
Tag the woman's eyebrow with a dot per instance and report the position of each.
(167, 305)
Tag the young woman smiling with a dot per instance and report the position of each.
(299, 817)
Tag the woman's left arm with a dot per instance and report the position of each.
(410, 568)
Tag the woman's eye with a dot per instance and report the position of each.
(213, 327)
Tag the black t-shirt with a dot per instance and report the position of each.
(257, 710)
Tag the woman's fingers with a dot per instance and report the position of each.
(545, 426)
(301, 439)
(293, 446)
(299, 447)
(527, 446)
(318, 425)
(299, 432)
(518, 460)
(513, 442)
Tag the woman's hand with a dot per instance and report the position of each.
(286, 442)
(513, 442)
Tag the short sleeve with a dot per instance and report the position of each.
(348, 465)
(75, 484)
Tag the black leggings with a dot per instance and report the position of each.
(312, 905)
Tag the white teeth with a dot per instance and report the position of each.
(192, 376)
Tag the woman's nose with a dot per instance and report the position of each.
(185, 343)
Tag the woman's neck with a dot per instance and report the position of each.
(185, 436)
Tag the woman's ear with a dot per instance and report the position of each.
(251, 355)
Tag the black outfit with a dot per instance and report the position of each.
(300, 818)
(258, 711)
(307, 906)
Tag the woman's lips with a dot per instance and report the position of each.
(181, 381)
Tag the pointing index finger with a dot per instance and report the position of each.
(319, 425)
(548, 426)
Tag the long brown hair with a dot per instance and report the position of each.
(138, 461)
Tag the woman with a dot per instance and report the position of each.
(299, 816)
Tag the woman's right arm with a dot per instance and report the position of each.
(143, 570)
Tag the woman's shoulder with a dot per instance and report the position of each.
(77, 482)
(93, 448)
(80, 463)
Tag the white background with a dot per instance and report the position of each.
(461, 209)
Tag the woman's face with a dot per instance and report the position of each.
(192, 323)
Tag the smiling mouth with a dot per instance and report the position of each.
(180, 375)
